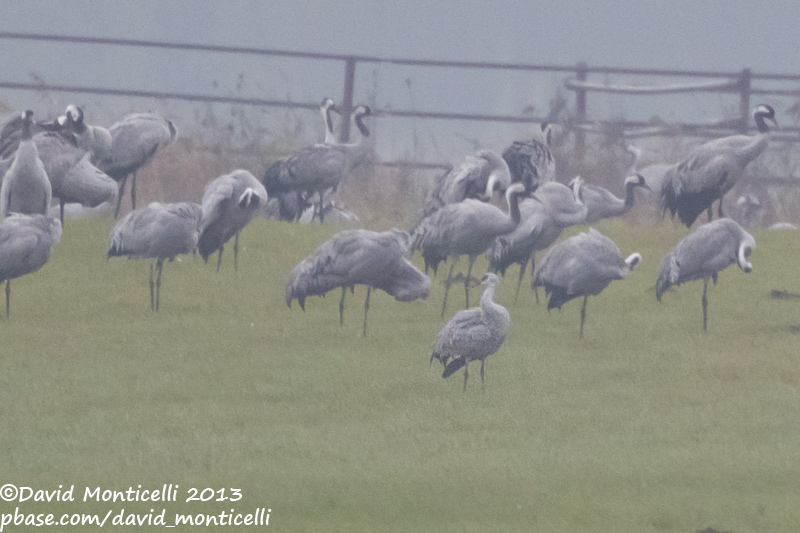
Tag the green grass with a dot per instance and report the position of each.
(646, 424)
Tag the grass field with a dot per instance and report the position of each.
(646, 424)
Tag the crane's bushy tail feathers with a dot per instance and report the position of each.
(558, 296)
(452, 367)
(687, 205)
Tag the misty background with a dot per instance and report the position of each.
(680, 34)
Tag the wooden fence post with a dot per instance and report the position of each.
(580, 111)
(347, 99)
(744, 99)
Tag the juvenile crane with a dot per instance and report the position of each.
(466, 228)
(26, 188)
(358, 257)
(158, 232)
(552, 208)
(702, 254)
(532, 162)
(476, 177)
(25, 242)
(229, 204)
(135, 140)
(582, 265)
(712, 169)
(472, 334)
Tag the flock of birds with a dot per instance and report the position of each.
(72, 161)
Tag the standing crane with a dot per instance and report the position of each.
(702, 254)
(135, 140)
(466, 228)
(359, 257)
(582, 265)
(601, 203)
(472, 334)
(25, 242)
(26, 188)
(712, 169)
(158, 232)
(229, 204)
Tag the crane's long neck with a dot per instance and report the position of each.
(754, 149)
(359, 149)
(513, 208)
(629, 196)
(330, 136)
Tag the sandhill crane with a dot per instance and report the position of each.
(476, 177)
(26, 188)
(712, 169)
(319, 167)
(466, 228)
(601, 203)
(532, 162)
(472, 334)
(359, 257)
(702, 254)
(25, 242)
(159, 232)
(552, 208)
(135, 140)
(229, 204)
(582, 265)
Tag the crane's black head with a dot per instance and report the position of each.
(761, 114)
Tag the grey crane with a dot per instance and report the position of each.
(702, 254)
(712, 169)
(359, 257)
(476, 177)
(532, 162)
(26, 188)
(466, 228)
(601, 203)
(25, 242)
(94, 139)
(582, 265)
(135, 140)
(158, 232)
(319, 167)
(229, 204)
(553, 208)
(472, 334)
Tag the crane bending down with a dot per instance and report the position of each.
(359, 257)
(582, 265)
(25, 242)
(466, 228)
(472, 334)
(601, 203)
(712, 169)
(159, 232)
(552, 208)
(229, 204)
(702, 254)
(135, 140)
(476, 177)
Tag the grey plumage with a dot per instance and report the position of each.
(552, 208)
(94, 139)
(135, 140)
(478, 176)
(229, 204)
(582, 265)
(711, 170)
(601, 203)
(465, 228)
(472, 334)
(702, 254)
(26, 188)
(532, 162)
(319, 167)
(25, 242)
(159, 232)
(358, 257)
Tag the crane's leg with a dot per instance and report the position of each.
(705, 305)
(466, 280)
(719, 208)
(8, 297)
(321, 198)
(483, 387)
(61, 211)
(533, 273)
(583, 313)
(366, 308)
(466, 375)
(159, 265)
(219, 257)
(710, 213)
(522, 268)
(236, 253)
(120, 195)
(133, 192)
(152, 287)
(447, 286)
(341, 307)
